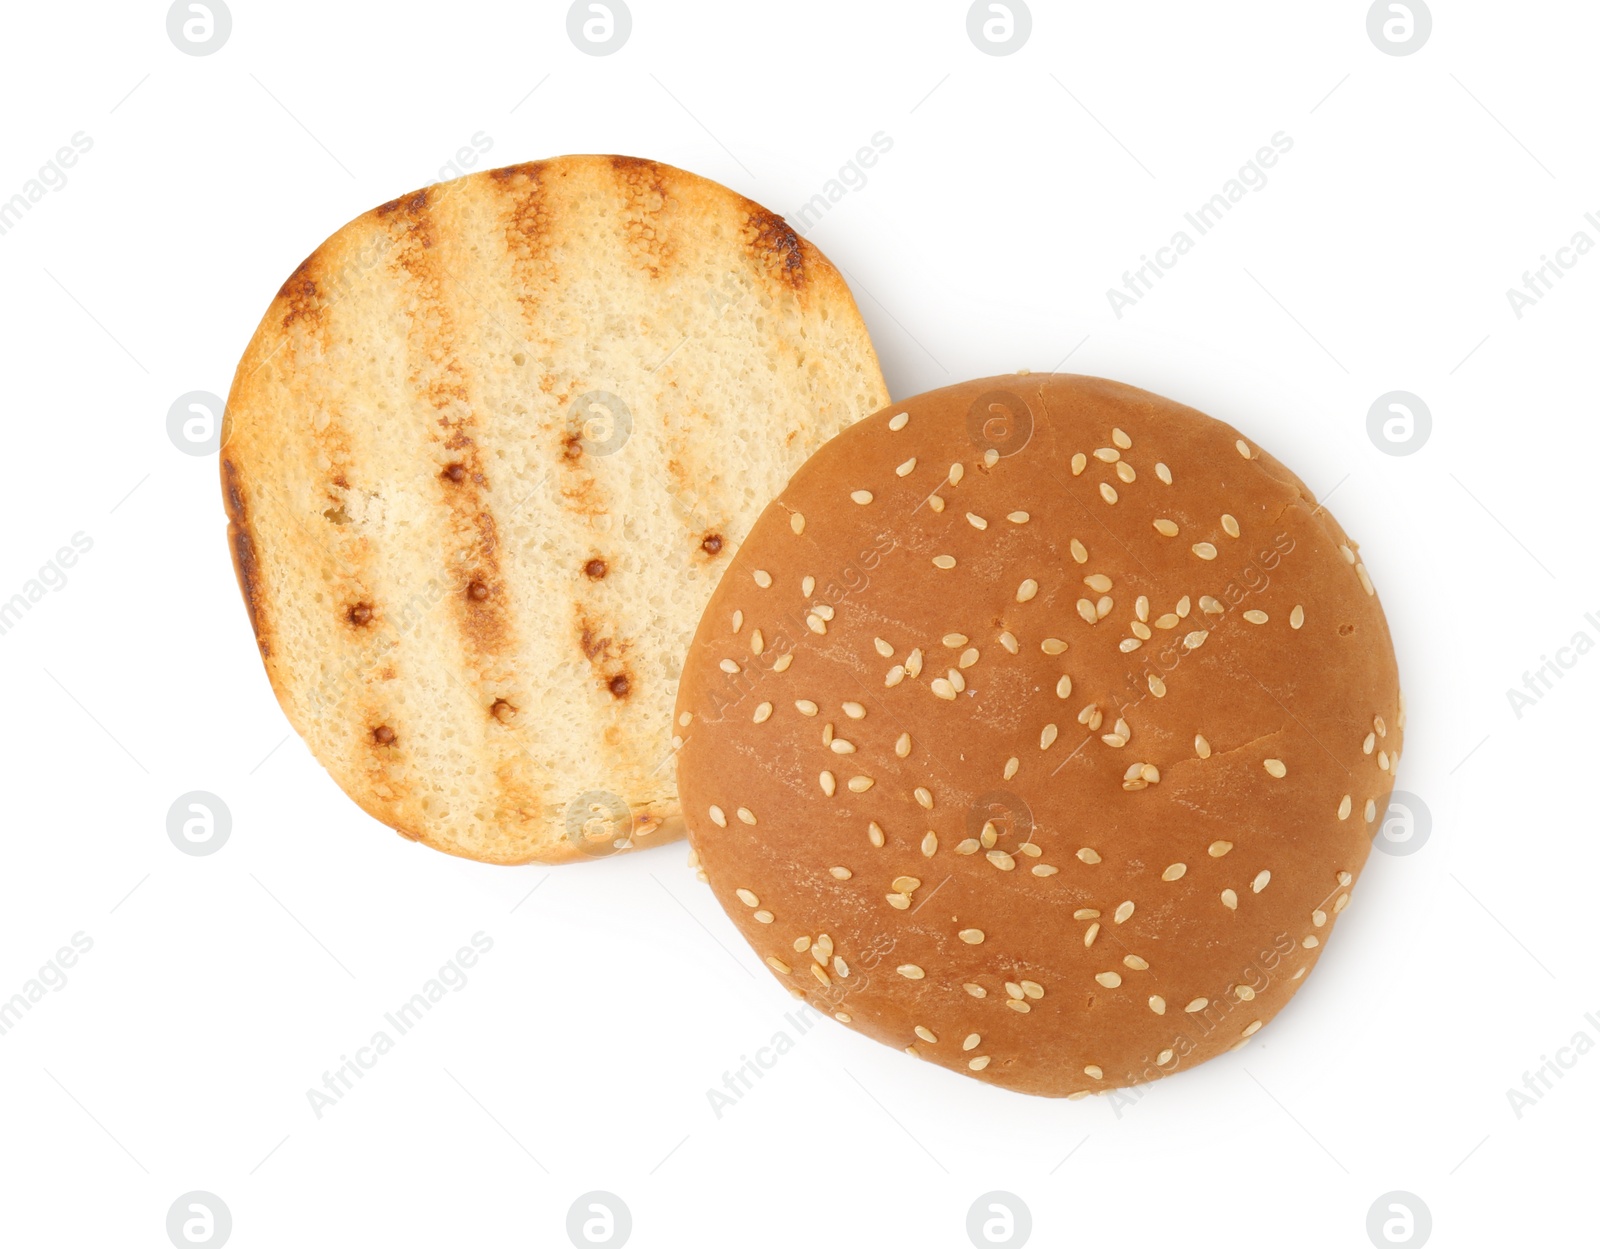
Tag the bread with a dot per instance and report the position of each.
(1040, 728)
(483, 462)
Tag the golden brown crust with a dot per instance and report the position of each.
(416, 484)
(1008, 776)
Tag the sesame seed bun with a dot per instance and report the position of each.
(1039, 728)
(483, 461)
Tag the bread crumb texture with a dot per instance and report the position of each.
(484, 460)
(1064, 745)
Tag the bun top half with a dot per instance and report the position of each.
(1040, 728)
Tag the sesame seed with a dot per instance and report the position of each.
(972, 936)
(1366, 581)
(925, 1034)
(1032, 989)
(954, 640)
(827, 783)
(841, 747)
(1195, 640)
(1140, 630)
(1086, 610)
(972, 1042)
(1202, 747)
(783, 661)
(1371, 811)
(718, 818)
(1242, 448)
(957, 681)
(991, 457)
(821, 975)
(1319, 918)
(745, 815)
(906, 468)
(977, 990)
(1297, 617)
(930, 844)
(897, 422)
(1204, 550)
(989, 836)
(1134, 963)
(748, 898)
(968, 846)
(1090, 934)
(1001, 859)
(1080, 553)
(1129, 645)
(763, 917)
(1349, 555)
(1309, 942)
(1052, 646)
(910, 971)
(977, 522)
(1182, 608)
(1252, 1028)
(1027, 590)
(1260, 882)
(1344, 878)
(897, 900)
(1368, 743)
(1168, 620)
(1158, 1004)
(860, 784)
(1275, 768)
(1047, 736)
(1199, 1004)
(944, 561)
(1109, 979)
(1125, 472)
(1219, 848)
(805, 707)
(1158, 687)
(895, 675)
(1121, 439)
(1009, 641)
(902, 745)
(942, 688)
(1044, 869)
(1244, 993)
(1093, 1072)
(914, 663)
(840, 873)
(1017, 518)
(1108, 492)
(1256, 617)
(1339, 903)
(1175, 871)
(1377, 724)
(1163, 1058)
(762, 578)
(1030, 849)
(1115, 740)
(1064, 687)
(1107, 455)
(1211, 606)
(968, 657)
(1230, 899)
(883, 648)
(1079, 462)
(875, 834)
(797, 522)
(841, 1016)
(727, 665)
(956, 472)
(1098, 582)
(1165, 528)
(778, 965)
(1010, 768)
(1122, 913)
(979, 1063)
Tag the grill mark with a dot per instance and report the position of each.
(644, 183)
(241, 543)
(776, 247)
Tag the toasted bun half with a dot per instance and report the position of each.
(1039, 728)
(483, 462)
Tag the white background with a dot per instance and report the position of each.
(1018, 189)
